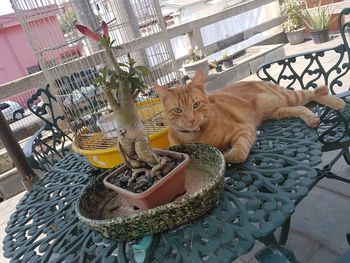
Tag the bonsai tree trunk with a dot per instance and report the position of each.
(133, 142)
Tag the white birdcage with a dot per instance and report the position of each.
(71, 62)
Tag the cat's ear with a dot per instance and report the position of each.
(163, 92)
(198, 80)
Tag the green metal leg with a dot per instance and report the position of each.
(274, 252)
(326, 170)
(347, 156)
(284, 232)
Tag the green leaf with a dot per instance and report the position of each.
(99, 80)
(105, 42)
(143, 69)
(105, 72)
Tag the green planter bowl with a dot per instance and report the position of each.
(102, 210)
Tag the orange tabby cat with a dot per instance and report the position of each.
(227, 118)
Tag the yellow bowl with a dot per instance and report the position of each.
(102, 151)
(110, 157)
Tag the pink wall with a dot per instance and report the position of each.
(16, 54)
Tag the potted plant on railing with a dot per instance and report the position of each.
(318, 20)
(293, 25)
(144, 169)
(216, 65)
(198, 61)
(227, 60)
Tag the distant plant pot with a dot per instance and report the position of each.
(296, 37)
(108, 125)
(320, 37)
(228, 62)
(218, 68)
(192, 67)
(160, 193)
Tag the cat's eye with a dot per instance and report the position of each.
(177, 110)
(196, 105)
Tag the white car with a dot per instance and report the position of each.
(11, 110)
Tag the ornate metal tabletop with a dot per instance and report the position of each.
(259, 196)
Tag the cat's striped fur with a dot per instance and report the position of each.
(227, 118)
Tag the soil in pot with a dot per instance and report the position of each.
(150, 190)
(143, 182)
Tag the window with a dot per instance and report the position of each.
(4, 106)
(34, 69)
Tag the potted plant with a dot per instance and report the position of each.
(293, 25)
(227, 60)
(198, 61)
(318, 21)
(217, 65)
(145, 171)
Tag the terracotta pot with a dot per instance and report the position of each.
(163, 191)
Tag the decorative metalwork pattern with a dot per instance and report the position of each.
(48, 144)
(334, 129)
(311, 69)
(259, 196)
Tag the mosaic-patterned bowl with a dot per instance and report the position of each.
(114, 218)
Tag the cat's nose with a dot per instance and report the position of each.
(192, 121)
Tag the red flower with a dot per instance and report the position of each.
(88, 32)
(105, 29)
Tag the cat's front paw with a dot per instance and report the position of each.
(338, 104)
(235, 156)
(312, 121)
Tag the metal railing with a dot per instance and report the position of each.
(191, 30)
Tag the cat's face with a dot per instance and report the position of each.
(186, 107)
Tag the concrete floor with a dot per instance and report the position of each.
(320, 222)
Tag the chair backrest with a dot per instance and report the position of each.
(307, 70)
(322, 67)
(49, 143)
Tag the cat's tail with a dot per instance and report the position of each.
(321, 96)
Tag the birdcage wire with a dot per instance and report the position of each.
(70, 61)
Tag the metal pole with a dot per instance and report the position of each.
(16, 153)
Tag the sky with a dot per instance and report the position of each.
(5, 7)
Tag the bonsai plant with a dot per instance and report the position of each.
(144, 169)
(318, 21)
(198, 61)
(293, 25)
(227, 60)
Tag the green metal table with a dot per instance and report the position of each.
(259, 197)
